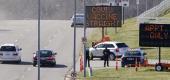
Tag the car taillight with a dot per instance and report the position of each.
(117, 50)
(15, 54)
(51, 58)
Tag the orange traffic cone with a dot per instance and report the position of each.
(81, 63)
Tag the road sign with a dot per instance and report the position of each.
(125, 3)
(84, 39)
(103, 16)
(154, 35)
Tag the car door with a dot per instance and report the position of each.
(99, 50)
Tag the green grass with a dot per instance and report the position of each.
(128, 74)
(129, 33)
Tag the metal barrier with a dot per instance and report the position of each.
(157, 10)
(152, 15)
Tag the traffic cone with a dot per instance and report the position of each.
(146, 62)
(81, 63)
(116, 64)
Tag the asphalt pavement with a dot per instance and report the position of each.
(55, 34)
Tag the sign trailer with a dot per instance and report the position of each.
(155, 35)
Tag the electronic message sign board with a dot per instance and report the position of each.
(154, 35)
(103, 16)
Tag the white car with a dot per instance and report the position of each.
(117, 49)
(10, 52)
(79, 22)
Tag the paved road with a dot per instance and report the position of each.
(56, 35)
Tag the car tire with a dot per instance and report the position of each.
(2, 62)
(158, 67)
(18, 62)
(34, 64)
(112, 57)
(54, 64)
(122, 65)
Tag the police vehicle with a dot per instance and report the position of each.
(132, 57)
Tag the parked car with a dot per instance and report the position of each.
(10, 52)
(79, 22)
(117, 49)
(132, 57)
(47, 57)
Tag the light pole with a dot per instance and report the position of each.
(85, 38)
(39, 15)
(146, 5)
(137, 5)
(74, 48)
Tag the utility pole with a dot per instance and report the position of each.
(137, 3)
(85, 39)
(39, 16)
(146, 5)
(74, 47)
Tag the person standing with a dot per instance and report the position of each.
(106, 54)
(87, 57)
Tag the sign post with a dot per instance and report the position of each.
(74, 48)
(84, 39)
(39, 18)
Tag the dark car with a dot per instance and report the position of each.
(131, 57)
(47, 57)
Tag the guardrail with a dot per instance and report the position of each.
(152, 14)
(157, 10)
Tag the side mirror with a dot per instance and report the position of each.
(55, 53)
(20, 49)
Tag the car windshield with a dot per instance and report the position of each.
(45, 53)
(120, 45)
(8, 48)
(133, 53)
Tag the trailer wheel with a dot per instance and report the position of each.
(158, 67)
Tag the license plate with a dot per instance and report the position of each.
(130, 59)
(7, 54)
(42, 58)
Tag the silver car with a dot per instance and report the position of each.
(117, 49)
(79, 22)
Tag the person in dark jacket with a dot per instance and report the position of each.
(106, 54)
(87, 57)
